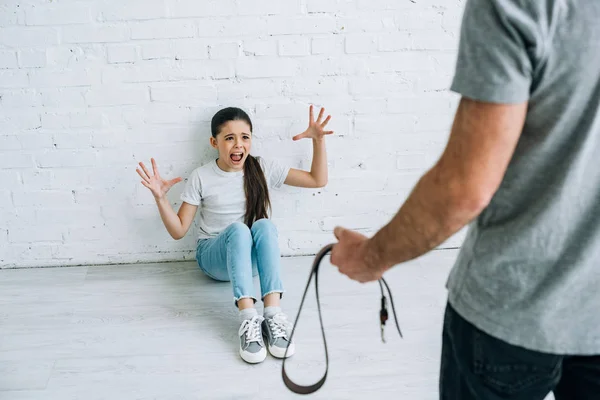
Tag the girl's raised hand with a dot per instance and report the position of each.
(157, 185)
(316, 129)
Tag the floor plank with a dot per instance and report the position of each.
(165, 331)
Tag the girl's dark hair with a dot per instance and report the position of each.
(258, 203)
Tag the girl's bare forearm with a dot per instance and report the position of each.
(170, 218)
(319, 162)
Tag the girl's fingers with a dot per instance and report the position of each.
(145, 169)
(154, 168)
(320, 115)
(326, 121)
(146, 184)
(298, 137)
(310, 114)
(174, 181)
(328, 132)
(143, 175)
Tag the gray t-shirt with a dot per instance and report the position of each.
(220, 195)
(529, 270)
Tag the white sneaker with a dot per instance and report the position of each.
(278, 330)
(252, 347)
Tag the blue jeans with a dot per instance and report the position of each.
(477, 366)
(240, 253)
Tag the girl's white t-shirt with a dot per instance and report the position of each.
(220, 195)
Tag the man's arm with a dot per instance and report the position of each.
(458, 187)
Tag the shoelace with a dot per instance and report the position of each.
(252, 328)
(279, 326)
(383, 316)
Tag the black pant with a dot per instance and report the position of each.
(477, 366)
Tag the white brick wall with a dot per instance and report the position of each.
(87, 90)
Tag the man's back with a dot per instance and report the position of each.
(529, 270)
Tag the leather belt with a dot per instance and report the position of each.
(383, 317)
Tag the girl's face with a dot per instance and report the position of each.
(233, 143)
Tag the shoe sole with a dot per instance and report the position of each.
(254, 358)
(278, 352)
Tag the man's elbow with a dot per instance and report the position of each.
(465, 196)
(472, 201)
(476, 203)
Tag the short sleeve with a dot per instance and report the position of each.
(495, 61)
(275, 172)
(192, 194)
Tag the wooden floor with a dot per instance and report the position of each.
(165, 331)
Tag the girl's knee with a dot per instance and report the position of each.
(238, 230)
(264, 225)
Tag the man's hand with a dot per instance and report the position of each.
(355, 257)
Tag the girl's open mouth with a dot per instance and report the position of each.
(236, 157)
